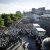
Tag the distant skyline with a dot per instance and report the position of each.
(11, 6)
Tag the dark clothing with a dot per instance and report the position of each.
(38, 44)
(24, 46)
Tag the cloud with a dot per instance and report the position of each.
(26, 1)
(7, 1)
(11, 6)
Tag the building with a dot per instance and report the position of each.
(45, 23)
(47, 12)
(39, 11)
(36, 17)
(35, 13)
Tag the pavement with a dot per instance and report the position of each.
(20, 48)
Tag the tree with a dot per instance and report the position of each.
(3, 16)
(18, 15)
(8, 21)
(12, 17)
(1, 22)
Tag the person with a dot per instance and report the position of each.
(46, 44)
(24, 46)
(38, 43)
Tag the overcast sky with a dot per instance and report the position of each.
(11, 6)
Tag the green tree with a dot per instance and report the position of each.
(4, 16)
(18, 15)
(1, 22)
(8, 20)
(12, 17)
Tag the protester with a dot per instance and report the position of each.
(38, 43)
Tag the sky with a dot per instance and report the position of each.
(11, 6)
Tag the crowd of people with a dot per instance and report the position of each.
(41, 43)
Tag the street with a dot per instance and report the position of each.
(31, 45)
